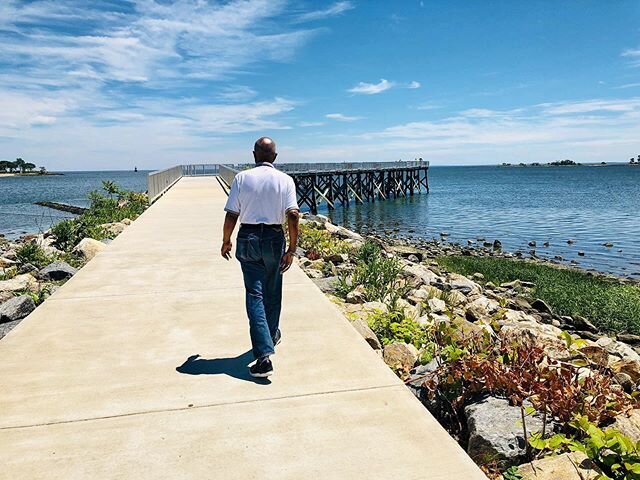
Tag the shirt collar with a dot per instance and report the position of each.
(265, 164)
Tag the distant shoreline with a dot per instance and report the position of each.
(30, 174)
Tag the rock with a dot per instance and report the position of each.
(371, 307)
(89, 248)
(543, 335)
(532, 243)
(436, 305)
(462, 283)
(596, 354)
(114, 228)
(624, 381)
(465, 330)
(337, 258)
(626, 366)
(326, 284)
(581, 323)
(482, 307)
(57, 271)
(413, 258)
(357, 295)
(456, 297)
(16, 308)
(363, 329)
(6, 262)
(27, 268)
(342, 232)
(568, 466)
(497, 245)
(421, 273)
(496, 433)
(541, 306)
(618, 349)
(477, 276)
(7, 327)
(17, 283)
(581, 253)
(629, 424)
(313, 273)
(405, 251)
(629, 338)
(126, 221)
(400, 356)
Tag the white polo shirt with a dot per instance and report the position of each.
(262, 195)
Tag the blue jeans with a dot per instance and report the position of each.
(260, 249)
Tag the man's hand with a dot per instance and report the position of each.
(285, 263)
(225, 251)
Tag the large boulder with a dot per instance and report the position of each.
(421, 273)
(406, 251)
(436, 305)
(542, 335)
(342, 232)
(357, 295)
(16, 308)
(462, 283)
(568, 466)
(114, 228)
(400, 356)
(327, 284)
(17, 283)
(57, 271)
(363, 329)
(619, 349)
(496, 432)
(629, 424)
(89, 248)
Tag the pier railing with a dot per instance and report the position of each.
(161, 181)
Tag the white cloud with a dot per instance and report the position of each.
(414, 84)
(634, 55)
(310, 124)
(372, 88)
(342, 118)
(336, 9)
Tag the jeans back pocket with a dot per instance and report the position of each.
(249, 249)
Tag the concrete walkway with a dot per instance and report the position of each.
(101, 380)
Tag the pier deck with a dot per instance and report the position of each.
(96, 383)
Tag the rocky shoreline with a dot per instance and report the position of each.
(32, 269)
(480, 322)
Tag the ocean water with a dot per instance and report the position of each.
(589, 205)
(19, 215)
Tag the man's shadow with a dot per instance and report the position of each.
(236, 367)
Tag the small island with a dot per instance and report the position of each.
(558, 163)
(22, 168)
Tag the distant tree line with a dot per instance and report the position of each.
(19, 166)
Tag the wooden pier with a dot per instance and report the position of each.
(338, 184)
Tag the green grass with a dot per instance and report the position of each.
(610, 305)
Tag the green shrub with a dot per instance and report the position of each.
(320, 243)
(34, 254)
(378, 275)
(102, 209)
(394, 326)
(614, 453)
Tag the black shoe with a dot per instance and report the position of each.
(262, 368)
(277, 338)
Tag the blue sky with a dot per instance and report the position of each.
(115, 83)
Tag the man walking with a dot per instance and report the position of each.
(259, 199)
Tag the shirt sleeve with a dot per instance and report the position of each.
(291, 202)
(233, 202)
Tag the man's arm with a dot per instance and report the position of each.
(230, 221)
(292, 224)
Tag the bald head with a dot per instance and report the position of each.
(264, 150)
